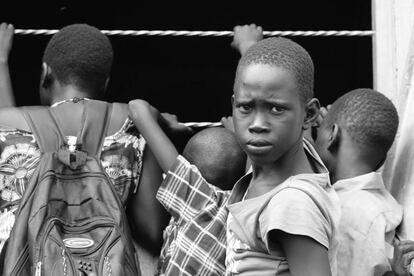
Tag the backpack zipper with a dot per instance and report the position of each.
(107, 265)
(40, 256)
(38, 269)
(64, 265)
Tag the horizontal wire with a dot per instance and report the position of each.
(201, 33)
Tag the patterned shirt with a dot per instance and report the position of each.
(195, 240)
(121, 158)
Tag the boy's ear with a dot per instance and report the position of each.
(312, 113)
(334, 137)
(46, 76)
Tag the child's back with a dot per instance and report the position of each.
(283, 216)
(353, 141)
(194, 241)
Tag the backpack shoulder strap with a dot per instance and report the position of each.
(45, 128)
(92, 135)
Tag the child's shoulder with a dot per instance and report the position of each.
(13, 118)
(366, 194)
(311, 183)
(370, 205)
(311, 191)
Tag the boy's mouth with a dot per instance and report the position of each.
(258, 146)
(258, 143)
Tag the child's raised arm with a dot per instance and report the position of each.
(305, 256)
(146, 118)
(246, 36)
(6, 40)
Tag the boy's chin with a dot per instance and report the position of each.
(261, 159)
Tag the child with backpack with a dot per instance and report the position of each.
(116, 152)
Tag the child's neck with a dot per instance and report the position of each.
(62, 93)
(350, 169)
(268, 176)
(351, 163)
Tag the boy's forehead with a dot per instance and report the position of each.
(265, 74)
(266, 78)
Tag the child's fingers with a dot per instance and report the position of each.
(404, 242)
(10, 28)
(170, 117)
(407, 258)
(323, 111)
(405, 247)
(4, 26)
(227, 122)
(411, 268)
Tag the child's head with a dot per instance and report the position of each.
(273, 98)
(363, 122)
(78, 55)
(218, 156)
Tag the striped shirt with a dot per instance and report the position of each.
(195, 240)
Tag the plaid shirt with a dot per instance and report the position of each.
(195, 240)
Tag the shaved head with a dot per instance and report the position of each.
(218, 156)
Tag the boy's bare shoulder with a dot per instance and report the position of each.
(12, 117)
(118, 116)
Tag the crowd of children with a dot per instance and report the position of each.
(258, 197)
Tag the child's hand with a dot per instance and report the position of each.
(146, 119)
(227, 122)
(245, 36)
(6, 41)
(322, 114)
(402, 263)
(171, 121)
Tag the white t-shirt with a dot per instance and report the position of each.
(369, 218)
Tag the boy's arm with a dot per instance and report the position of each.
(305, 256)
(148, 216)
(6, 39)
(245, 36)
(146, 118)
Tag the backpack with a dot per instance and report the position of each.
(70, 220)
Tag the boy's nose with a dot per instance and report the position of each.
(259, 124)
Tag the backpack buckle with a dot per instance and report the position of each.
(74, 159)
(71, 144)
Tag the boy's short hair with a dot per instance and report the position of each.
(283, 53)
(217, 155)
(368, 116)
(80, 55)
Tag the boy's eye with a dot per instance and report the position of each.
(277, 109)
(244, 107)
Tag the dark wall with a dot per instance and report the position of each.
(193, 77)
